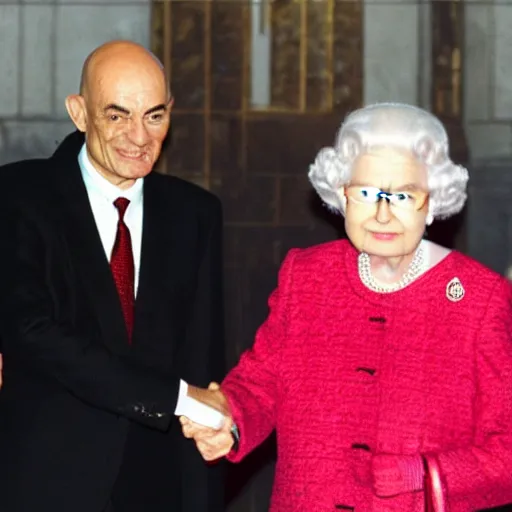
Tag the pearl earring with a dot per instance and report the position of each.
(429, 219)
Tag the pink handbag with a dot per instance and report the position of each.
(434, 494)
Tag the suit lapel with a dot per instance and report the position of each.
(161, 253)
(153, 246)
(88, 254)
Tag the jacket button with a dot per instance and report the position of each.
(369, 371)
(360, 446)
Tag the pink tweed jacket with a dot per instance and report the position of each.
(342, 372)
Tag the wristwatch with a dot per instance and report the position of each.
(235, 433)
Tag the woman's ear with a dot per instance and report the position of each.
(75, 105)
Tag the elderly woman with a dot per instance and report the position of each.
(385, 364)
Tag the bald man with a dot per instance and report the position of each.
(111, 303)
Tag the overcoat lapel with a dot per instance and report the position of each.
(161, 254)
(86, 249)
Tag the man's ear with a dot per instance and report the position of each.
(75, 105)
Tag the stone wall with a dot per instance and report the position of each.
(44, 42)
(43, 45)
(488, 78)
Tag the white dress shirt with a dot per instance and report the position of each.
(102, 195)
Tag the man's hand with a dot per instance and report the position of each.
(212, 444)
(396, 474)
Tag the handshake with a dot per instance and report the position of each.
(205, 417)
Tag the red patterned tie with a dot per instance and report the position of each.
(121, 263)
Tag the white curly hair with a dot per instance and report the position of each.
(396, 126)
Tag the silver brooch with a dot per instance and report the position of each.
(454, 290)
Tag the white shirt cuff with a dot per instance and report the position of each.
(197, 411)
(182, 397)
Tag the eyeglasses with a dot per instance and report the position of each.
(410, 200)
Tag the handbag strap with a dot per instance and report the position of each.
(435, 500)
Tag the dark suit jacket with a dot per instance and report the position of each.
(83, 414)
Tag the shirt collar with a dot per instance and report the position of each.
(95, 182)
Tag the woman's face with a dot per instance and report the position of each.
(387, 203)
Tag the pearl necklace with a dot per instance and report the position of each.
(416, 268)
